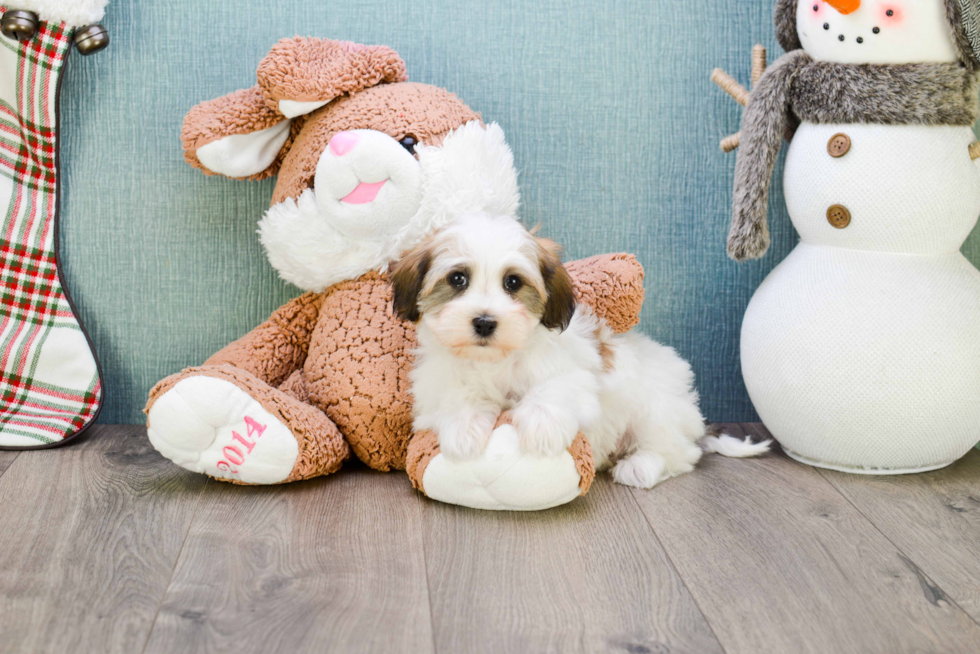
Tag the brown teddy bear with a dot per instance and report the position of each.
(368, 164)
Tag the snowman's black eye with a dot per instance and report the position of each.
(409, 143)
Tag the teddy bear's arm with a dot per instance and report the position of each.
(278, 347)
(612, 284)
(456, 483)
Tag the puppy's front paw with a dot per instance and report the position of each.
(544, 430)
(464, 436)
(641, 470)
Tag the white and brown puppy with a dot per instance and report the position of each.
(499, 330)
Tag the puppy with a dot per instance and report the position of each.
(499, 330)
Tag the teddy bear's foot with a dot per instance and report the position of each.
(231, 426)
(210, 425)
(503, 478)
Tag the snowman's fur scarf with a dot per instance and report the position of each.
(903, 94)
(764, 123)
(785, 18)
(962, 15)
(76, 13)
(797, 88)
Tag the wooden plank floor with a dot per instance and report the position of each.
(107, 547)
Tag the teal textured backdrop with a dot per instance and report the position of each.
(606, 103)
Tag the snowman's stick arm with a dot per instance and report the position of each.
(741, 95)
(758, 63)
(975, 150)
(731, 142)
(730, 86)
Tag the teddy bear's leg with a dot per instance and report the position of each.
(503, 478)
(227, 423)
(612, 285)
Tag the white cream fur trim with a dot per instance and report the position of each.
(74, 13)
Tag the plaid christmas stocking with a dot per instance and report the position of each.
(50, 386)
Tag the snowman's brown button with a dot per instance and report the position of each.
(838, 216)
(839, 145)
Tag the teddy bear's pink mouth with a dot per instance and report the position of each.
(364, 193)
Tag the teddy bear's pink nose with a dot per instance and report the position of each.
(343, 142)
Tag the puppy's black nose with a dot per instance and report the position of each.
(484, 326)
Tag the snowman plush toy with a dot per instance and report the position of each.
(861, 351)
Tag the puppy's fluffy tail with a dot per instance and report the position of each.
(730, 446)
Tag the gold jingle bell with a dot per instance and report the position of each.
(19, 25)
(91, 38)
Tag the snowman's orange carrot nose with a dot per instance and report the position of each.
(844, 6)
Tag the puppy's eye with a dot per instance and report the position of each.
(458, 280)
(513, 283)
(409, 143)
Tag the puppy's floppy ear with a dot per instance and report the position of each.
(407, 279)
(560, 306)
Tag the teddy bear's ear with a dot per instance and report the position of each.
(300, 75)
(245, 134)
(237, 135)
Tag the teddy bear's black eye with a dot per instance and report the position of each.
(513, 283)
(457, 279)
(409, 143)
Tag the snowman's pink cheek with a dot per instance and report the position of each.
(817, 10)
(891, 14)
